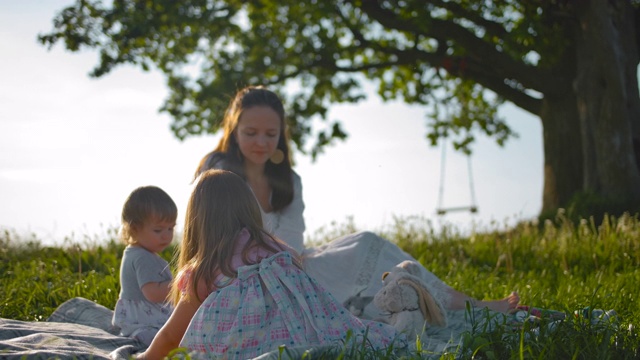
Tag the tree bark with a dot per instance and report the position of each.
(563, 143)
(607, 98)
(562, 151)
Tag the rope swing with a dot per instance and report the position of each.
(441, 210)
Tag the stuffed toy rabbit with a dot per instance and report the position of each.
(407, 300)
(356, 303)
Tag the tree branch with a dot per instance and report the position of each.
(504, 66)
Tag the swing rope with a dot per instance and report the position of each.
(472, 208)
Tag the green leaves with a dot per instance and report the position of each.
(319, 53)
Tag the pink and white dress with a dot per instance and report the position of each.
(275, 303)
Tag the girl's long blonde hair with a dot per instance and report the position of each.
(220, 206)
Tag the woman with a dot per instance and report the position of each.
(255, 146)
(257, 149)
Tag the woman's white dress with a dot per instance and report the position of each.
(348, 265)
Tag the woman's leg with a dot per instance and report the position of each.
(458, 301)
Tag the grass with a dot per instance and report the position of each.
(555, 265)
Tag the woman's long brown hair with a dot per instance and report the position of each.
(228, 152)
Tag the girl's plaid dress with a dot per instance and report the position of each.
(275, 303)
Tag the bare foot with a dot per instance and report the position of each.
(506, 305)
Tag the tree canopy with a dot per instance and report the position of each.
(461, 59)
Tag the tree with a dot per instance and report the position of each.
(573, 63)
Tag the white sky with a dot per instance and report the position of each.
(72, 148)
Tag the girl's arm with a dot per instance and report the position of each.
(168, 338)
(156, 292)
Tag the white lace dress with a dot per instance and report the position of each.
(347, 265)
(356, 262)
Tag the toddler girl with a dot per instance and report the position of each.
(148, 218)
(241, 292)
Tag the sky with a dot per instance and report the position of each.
(72, 148)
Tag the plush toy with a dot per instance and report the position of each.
(356, 303)
(407, 300)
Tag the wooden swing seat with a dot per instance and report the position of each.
(472, 209)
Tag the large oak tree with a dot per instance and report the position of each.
(572, 63)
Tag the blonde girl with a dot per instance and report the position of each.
(148, 218)
(241, 292)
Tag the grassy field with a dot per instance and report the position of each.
(556, 265)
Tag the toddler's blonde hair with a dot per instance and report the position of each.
(144, 204)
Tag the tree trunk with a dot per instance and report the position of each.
(607, 98)
(562, 151)
(563, 155)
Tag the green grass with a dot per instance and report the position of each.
(556, 265)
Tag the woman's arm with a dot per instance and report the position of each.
(168, 338)
(291, 225)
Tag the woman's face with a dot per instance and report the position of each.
(258, 133)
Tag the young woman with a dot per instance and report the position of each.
(241, 292)
(255, 146)
(257, 149)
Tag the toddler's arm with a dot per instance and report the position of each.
(156, 291)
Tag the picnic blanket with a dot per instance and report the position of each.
(81, 329)
(78, 329)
